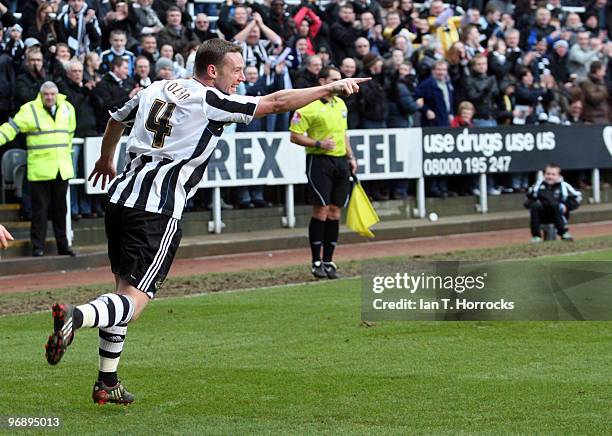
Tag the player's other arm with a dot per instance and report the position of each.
(119, 119)
(105, 165)
(291, 99)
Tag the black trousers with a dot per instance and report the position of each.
(49, 201)
(545, 214)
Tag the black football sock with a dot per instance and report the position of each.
(316, 232)
(108, 378)
(330, 239)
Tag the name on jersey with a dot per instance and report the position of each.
(178, 91)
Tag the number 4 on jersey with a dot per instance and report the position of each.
(160, 124)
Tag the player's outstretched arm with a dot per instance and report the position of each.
(292, 99)
(105, 165)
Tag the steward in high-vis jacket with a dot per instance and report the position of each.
(48, 123)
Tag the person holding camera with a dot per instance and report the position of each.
(550, 200)
(43, 29)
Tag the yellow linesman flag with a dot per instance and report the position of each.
(361, 215)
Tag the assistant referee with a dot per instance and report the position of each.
(321, 128)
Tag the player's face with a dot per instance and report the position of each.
(231, 74)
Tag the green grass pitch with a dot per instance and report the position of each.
(297, 360)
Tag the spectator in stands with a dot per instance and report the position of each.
(148, 48)
(373, 101)
(482, 92)
(492, 24)
(498, 65)
(591, 24)
(81, 98)
(402, 106)
(47, 123)
(117, 19)
(178, 62)
(581, 56)
(175, 33)
(230, 27)
(444, 25)
(27, 84)
(514, 54)
(91, 69)
(603, 10)
(344, 34)
(438, 96)
(143, 72)
(5, 237)
(362, 48)
(348, 68)
(255, 49)
(78, 27)
(297, 56)
(186, 17)
(550, 200)
(309, 76)
(145, 20)
(471, 40)
(202, 28)
(559, 61)
(401, 102)
(164, 69)
(308, 25)
(14, 46)
(466, 111)
(118, 40)
(574, 115)
(531, 95)
(541, 30)
(538, 59)
(114, 89)
(43, 28)
(596, 98)
(438, 100)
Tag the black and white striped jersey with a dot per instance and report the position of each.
(176, 125)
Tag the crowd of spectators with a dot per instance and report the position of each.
(462, 63)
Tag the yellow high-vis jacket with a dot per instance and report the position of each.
(49, 141)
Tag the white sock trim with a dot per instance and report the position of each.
(108, 365)
(89, 315)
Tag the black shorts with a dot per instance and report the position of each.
(328, 180)
(141, 245)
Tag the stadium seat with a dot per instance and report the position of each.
(12, 165)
